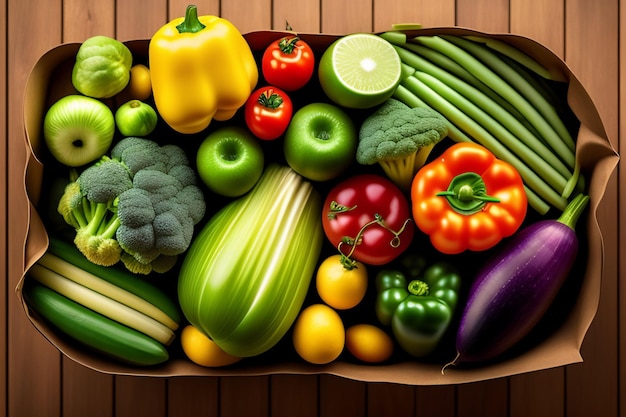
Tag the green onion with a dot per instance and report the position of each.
(561, 146)
(531, 91)
(515, 54)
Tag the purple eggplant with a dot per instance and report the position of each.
(514, 289)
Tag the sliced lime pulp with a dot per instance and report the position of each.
(360, 70)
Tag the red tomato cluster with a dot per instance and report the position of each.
(287, 65)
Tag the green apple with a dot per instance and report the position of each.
(78, 129)
(320, 142)
(136, 118)
(230, 161)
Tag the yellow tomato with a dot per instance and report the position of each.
(140, 84)
(319, 334)
(339, 287)
(202, 350)
(369, 343)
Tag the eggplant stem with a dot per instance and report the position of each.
(574, 209)
(452, 363)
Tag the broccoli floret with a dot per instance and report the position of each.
(139, 205)
(139, 153)
(158, 214)
(400, 138)
(89, 204)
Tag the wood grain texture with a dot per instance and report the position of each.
(38, 381)
(33, 365)
(593, 56)
(86, 392)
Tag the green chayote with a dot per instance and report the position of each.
(102, 67)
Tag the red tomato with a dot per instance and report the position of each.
(368, 219)
(288, 63)
(268, 112)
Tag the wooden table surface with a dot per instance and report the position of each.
(37, 381)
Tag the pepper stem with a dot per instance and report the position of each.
(191, 23)
(467, 193)
(418, 287)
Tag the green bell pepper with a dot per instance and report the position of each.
(420, 311)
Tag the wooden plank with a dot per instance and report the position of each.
(391, 400)
(303, 16)
(137, 396)
(426, 13)
(33, 364)
(135, 20)
(294, 395)
(341, 17)
(85, 391)
(340, 397)
(4, 290)
(248, 16)
(85, 18)
(592, 52)
(486, 15)
(177, 8)
(193, 396)
(541, 21)
(438, 400)
(539, 393)
(622, 212)
(485, 399)
(244, 396)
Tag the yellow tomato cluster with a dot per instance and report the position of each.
(319, 334)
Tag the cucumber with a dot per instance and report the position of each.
(123, 279)
(92, 329)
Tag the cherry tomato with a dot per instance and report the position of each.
(288, 63)
(202, 350)
(319, 335)
(369, 343)
(368, 219)
(340, 287)
(268, 112)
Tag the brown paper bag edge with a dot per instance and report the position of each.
(558, 350)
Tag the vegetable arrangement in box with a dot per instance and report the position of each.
(279, 198)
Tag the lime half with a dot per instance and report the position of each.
(359, 71)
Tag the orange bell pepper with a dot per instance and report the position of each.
(467, 199)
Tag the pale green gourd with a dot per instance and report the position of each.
(246, 275)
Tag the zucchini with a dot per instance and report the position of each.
(92, 329)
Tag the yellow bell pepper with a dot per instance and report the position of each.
(202, 69)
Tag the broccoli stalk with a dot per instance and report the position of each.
(400, 138)
(96, 240)
(89, 204)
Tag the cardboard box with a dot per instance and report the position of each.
(557, 344)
